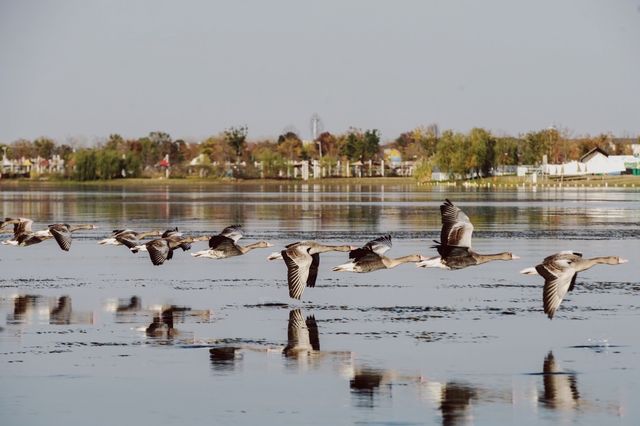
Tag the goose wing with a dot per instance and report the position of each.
(159, 251)
(558, 276)
(62, 235)
(171, 232)
(222, 243)
(456, 226)
(313, 270)
(234, 232)
(22, 227)
(298, 262)
(380, 246)
(128, 239)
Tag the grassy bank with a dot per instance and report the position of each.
(627, 181)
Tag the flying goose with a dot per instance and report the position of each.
(370, 257)
(225, 244)
(560, 271)
(454, 246)
(62, 233)
(302, 260)
(161, 249)
(127, 237)
(23, 235)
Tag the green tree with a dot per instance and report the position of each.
(44, 147)
(290, 146)
(108, 164)
(481, 152)
(236, 138)
(85, 164)
(535, 146)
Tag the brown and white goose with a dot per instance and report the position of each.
(560, 271)
(62, 233)
(370, 257)
(302, 260)
(128, 237)
(23, 235)
(161, 249)
(454, 246)
(225, 244)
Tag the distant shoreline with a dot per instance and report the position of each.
(622, 181)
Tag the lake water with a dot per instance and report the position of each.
(402, 346)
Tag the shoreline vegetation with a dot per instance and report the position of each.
(425, 153)
(493, 182)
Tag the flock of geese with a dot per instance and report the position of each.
(302, 258)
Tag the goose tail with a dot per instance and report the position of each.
(136, 249)
(275, 255)
(529, 271)
(203, 253)
(431, 262)
(109, 241)
(345, 267)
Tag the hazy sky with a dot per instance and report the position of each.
(194, 68)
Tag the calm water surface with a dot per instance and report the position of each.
(404, 346)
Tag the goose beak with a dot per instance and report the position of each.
(623, 260)
(352, 247)
(422, 258)
(513, 256)
(269, 245)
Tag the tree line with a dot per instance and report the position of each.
(477, 152)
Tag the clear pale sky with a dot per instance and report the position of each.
(193, 68)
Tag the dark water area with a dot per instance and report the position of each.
(101, 335)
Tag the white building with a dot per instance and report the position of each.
(596, 161)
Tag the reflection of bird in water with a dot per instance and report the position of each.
(63, 314)
(22, 306)
(366, 383)
(128, 237)
(560, 389)
(455, 403)
(22, 303)
(371, 257)
(302, 335)
(134, 304)
(225, 244)
(560, 271)
(302, 260)
(224, 358)
(454, 246)
(162, 325)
